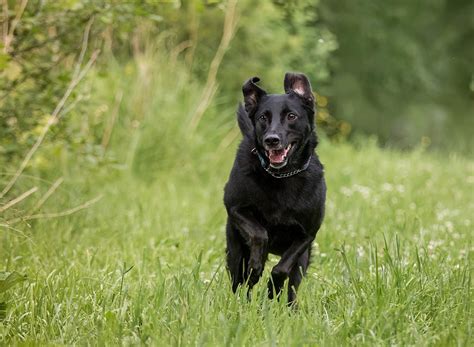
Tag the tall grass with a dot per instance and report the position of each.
(391, 264)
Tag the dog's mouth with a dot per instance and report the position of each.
(278, 157)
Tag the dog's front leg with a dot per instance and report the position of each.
(256, 237)
(288, 261)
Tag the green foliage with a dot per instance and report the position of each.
(404, 90)
(285, 39)
(403, 69)
(40, 60)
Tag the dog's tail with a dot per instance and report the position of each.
(245, 124)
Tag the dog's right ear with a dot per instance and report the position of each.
(252, 94)
(299, 84)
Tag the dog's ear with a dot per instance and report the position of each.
(252, 94)
(299, 84)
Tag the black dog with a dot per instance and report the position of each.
(276, 191)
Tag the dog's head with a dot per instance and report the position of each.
(283, 123)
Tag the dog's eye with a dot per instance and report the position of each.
(262, 117)
(291, 116)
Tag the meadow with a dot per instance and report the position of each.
(144, 262)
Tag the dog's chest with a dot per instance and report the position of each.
(280, 206)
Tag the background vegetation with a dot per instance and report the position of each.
(117, 133)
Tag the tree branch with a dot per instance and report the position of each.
(10, 31)
(230, 25)
(18, 199)
(58, 214)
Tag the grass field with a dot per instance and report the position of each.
(391, 266)
(145, 264)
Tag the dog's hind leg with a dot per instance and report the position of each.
(296, 275)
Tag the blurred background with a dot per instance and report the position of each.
(140, 82)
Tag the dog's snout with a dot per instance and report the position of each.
(272, 140)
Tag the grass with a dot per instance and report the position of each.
(145, 265)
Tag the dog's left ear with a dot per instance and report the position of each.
(299, 84)
(252, 94)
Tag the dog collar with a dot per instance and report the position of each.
(276, 174)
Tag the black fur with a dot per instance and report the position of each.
(268, 214)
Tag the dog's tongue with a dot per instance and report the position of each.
(277, 156)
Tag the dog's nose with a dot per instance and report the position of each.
(272, 140)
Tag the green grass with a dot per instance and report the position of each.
(145, 265)
(391, 263)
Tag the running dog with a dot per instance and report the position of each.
(276, 191)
